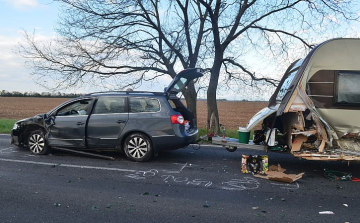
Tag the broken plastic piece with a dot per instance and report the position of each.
(206, 205)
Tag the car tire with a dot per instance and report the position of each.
(37, 143)
(137, 147)
(231, 148)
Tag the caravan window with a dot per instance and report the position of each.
(348, 91)
(285, 87)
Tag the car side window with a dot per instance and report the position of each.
(106, 105)
(76, 108)
(144, 105)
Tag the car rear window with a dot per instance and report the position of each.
(143, 105)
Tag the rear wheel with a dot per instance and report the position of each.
(231, 148)
(137, 147)
(37, 143)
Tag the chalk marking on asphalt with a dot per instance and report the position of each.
(183, 166)
(287, 186)
(67, 165)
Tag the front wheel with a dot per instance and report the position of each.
(37, 143)
(137, 147)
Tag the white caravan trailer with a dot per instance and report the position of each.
(315, 111)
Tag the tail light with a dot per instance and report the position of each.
(177, 119)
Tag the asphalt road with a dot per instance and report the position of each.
(189, 185)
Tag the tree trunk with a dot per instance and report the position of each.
(191, 98)
(213, 124)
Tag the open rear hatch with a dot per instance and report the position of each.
(182, 79)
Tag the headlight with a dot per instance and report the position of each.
(16, 126)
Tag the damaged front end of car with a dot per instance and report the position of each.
(22, 128)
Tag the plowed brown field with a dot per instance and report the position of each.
(23, 107)
(232, 113)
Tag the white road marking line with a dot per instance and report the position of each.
(4, 149)
(67, 165)
(8, 150)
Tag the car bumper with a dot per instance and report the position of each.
(173, 142)
(15, 138)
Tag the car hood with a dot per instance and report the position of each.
(35, 119)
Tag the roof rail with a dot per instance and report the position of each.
(125, 92)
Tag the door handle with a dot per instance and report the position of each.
(80, 123)
(120, 121)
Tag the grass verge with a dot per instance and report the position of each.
(6, 125)
(232, 133)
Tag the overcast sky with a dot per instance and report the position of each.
(40, 16)
(15, 16)
(37, 16)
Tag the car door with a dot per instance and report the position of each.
(107, 121)
(182, 79)
(67, 128)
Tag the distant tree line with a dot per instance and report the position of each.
(4, 93)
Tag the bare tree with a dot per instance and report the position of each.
(141, 40)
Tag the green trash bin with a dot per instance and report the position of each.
(244, 135)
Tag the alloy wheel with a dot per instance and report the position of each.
(138, 147)
(36, 143)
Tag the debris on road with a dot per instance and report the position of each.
(326, 212)
(255, 164)
(84, 153)
(109, 206)
(337, 175)
(276, 173)
(206, 205)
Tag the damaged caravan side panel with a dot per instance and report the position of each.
(317, 105)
